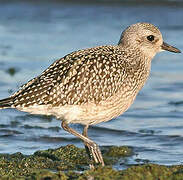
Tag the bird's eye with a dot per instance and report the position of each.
(150, 38)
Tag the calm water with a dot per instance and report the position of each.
(33, 35)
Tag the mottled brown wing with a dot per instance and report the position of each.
(38, 88)
(89, 75)
(93, 77)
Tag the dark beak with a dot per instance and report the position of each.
(167, 47)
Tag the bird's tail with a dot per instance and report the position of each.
(6, 103)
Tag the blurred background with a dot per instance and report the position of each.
(35, 33)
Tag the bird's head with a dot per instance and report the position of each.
(145, 37)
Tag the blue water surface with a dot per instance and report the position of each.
(35, 33)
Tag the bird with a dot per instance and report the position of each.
(93, 85)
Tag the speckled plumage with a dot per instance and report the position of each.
(90, 76)
(93, 85)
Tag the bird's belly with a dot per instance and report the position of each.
(89, 113)
(96, 113)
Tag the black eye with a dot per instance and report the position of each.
(150, 38)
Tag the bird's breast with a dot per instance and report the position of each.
(91, 113)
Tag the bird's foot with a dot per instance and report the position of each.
(94, 153)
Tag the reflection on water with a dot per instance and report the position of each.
(33, 35)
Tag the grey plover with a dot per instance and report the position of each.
(93, 85)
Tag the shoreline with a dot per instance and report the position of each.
(71, 162)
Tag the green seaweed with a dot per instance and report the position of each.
(118, 151)
(141, 172)
(63, 158)
(113, 154)
(69, 162)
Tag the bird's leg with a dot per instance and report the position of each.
(85, 133)
(89, 151)
(90, 155)
(92, 146)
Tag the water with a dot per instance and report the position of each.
(34, 34)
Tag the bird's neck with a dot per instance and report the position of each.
(138, 66)
(136, 50)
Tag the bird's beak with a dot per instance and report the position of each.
(167, 47)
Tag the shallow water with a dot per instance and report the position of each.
(34, 34)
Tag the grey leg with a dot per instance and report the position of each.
(90, 155)
(85, 131)
(92, 146)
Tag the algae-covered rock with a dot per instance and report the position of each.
(112, 154)
(101, 173)
(47, 175)
(68, 157)
(141, 172)
(63, 158)
(70, 162)
(118, 151)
